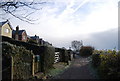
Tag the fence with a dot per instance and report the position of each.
(57, 57)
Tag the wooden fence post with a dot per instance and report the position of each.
(12, 68)
(33, 67)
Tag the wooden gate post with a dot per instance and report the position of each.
(12, 68)
(33, 67)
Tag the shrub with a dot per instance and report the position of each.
(34, 48)
(47, 56)
(86, 50)
(31, 41)
(46, 53)
(96, 60)
(108, 67)
(22, 61)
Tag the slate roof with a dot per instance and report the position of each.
(19, 32)
(34, 37)
(4, 22)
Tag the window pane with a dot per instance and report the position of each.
(7, 30)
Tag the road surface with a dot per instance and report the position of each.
(78, 70)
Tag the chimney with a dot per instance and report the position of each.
(16, 33)
(17, 28)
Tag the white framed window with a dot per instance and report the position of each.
(7, 30)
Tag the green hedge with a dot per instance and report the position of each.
(96, 60)
(86, 50)
(108, 65)
(47, 56)
(46, 53)
(34, 48)
(31, 41)
(22, 60)
(28, 46)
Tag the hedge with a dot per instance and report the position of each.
(47, 56)
(96, 60)
(46, 53)
(86, 50)
(108, 65)
(28, 46)
(22, 61)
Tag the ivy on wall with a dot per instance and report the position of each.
(22, 60)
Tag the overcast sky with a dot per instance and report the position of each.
(61, 21)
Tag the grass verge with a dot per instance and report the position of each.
(58, 69)
(93, 70)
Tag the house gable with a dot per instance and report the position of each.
(6, 29)
(24, 36)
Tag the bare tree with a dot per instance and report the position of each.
(20, 9)
(76, 44)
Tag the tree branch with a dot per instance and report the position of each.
(13, 6)
(18, 17)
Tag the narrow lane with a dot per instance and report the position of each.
(78, 70)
